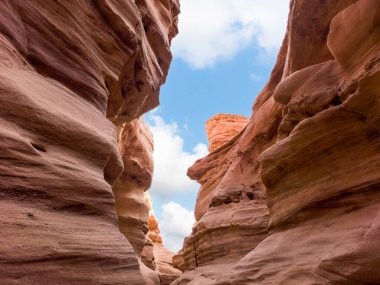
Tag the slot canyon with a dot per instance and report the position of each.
(288, 196)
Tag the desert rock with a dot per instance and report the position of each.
(155, 256)
(71, 71)
(312, 147)
(221, 128)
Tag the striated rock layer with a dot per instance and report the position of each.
(232, 218)
(67, 66)
(312, 149)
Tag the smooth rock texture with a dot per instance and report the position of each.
(312, 146)
(135, 143)
(69, 70)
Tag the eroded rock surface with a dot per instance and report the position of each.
(67, 66)
(221, 128)
(231, 218)
(312, 148)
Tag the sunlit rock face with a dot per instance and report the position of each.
(71, 71)
(135, 143)
(312, 145)
(223, 127)
(232, 218)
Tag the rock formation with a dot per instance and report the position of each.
(155, 255)
(223, 127)
(232, 218)
(308, 161)
(75, 77)
(289, 197)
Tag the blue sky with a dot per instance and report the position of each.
(223, 56)
(191, 96)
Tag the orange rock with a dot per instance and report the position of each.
(154, 231)
(221, 128)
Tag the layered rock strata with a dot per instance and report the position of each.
(71, 71)
(231, 218)
(312, 147)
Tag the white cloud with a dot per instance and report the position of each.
(175, 225)
(255, 77)
(213, 30)
(171, 161)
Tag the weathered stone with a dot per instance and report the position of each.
(312, 147)
(65, 67)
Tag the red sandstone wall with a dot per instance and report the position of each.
(307, 161)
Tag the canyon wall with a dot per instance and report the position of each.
(294, 197)
(75, 78)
